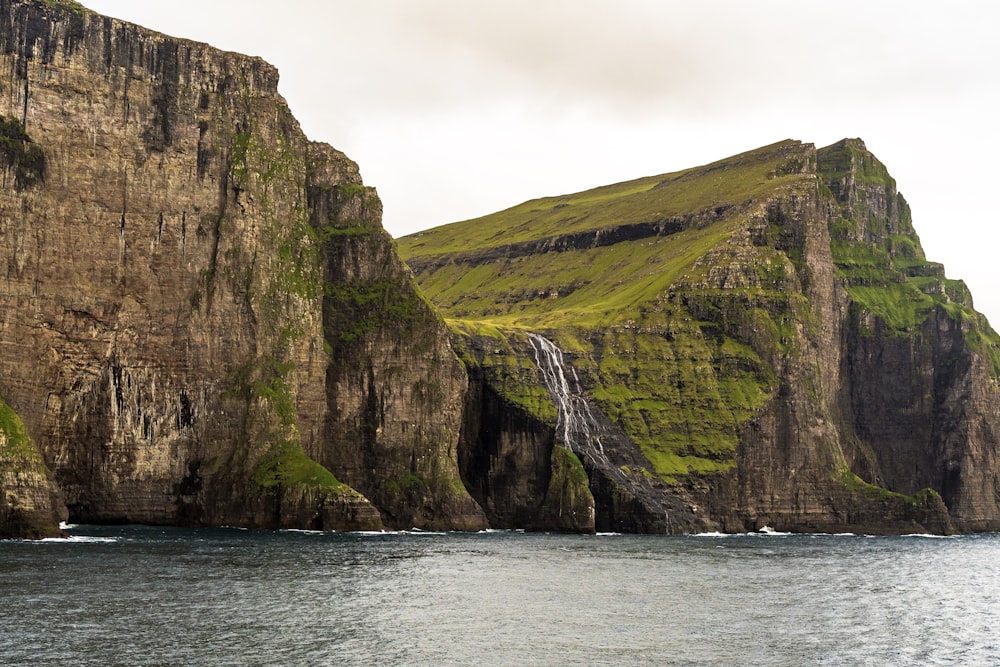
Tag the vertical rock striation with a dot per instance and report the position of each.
(394, 387)
(176, 257)
(918, 401)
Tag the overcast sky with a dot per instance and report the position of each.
(458, 108)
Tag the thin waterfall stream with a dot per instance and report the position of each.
(576, 427)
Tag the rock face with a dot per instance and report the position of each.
(203, 321)
(762, 341)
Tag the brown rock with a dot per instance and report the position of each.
(173, 291)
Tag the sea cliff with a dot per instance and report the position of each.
(761, 340)
(203, 319)
(203, 322)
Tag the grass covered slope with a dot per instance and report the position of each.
(765, 329)
(596, 256)
(626, 279)
(25, 504)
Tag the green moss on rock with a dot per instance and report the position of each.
(286, 465)
(668, 350)
(14, 437)
(20, 154)
(569, 503)
(504, 359)
(26, 509)
(880, 258)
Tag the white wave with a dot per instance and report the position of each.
(930, 536)
(713, 533)
(607, 534)
(767, 530)
(79, 539)
(412, 531)
(304, 531)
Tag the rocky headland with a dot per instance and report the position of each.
(203, 322)
(203, 319)
(760, 341)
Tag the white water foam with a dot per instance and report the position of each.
(380, 533)
(78, 539)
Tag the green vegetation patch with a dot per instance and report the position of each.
(858, 486)
(285, 465)
(582, 288)
(569, 492)
(850, 158)
(512, 373)
(731, 181)
(881, 260)
(272, 386)
(680, 396)
(20, 153)
(16, 443)
(568, 470)
(894, 282)
(359, 309)
(671, 352)
(71, 5)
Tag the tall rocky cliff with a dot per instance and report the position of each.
(760, 341)
(201, 318)
(202, 322)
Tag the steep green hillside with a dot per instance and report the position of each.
(594, 257)
(705, 307)
(610, 275)
(656, 198)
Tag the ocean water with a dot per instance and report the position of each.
(157, 596)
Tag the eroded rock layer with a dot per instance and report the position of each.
(202, 319)
(762, 340)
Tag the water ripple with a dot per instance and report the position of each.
(145, 596)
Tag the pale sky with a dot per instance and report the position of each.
(457, 108)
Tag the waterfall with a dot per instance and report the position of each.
(576, 425)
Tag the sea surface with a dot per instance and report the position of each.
(133, 595)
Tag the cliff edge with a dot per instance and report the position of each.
(755, 342)
(178, 263)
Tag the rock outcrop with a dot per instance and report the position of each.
(762, 341)
(203, 321)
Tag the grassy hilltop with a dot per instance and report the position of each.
(683, 298)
